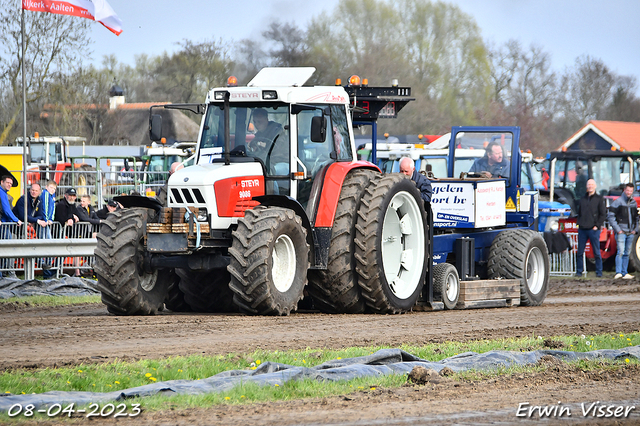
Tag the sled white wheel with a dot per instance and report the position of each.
(535, 273)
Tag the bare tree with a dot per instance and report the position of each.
(625, 105)
(586, 90)
(290, 49)
(54, 43)
(186, 75)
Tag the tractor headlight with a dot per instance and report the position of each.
(269, 94)
(202, 215)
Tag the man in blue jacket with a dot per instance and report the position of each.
(623, 217)
(407, 167)
(493, 164)
(6, 182)
(35, 215)
(48, 203)
(7, 216)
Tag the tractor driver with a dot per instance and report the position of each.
(493, 164)
(267, 133)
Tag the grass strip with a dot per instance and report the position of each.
(49, 301)
(118, 375)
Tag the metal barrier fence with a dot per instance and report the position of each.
(564, 264)
(100, 185)
(55, 231)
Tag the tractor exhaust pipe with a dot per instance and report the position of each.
(227, 137)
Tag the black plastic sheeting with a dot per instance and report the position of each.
(67, 286)
(383, 362)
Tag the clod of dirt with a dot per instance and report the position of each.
(446, 372)
(552, 364)
(420, 375)
(553, 344)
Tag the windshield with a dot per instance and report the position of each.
(255, 130)
(437, 166)
(611, 174)
(39, 155)
(495, 151)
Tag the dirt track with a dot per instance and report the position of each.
(64, 336)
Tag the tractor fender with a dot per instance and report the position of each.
(138, 201)
(332, 185)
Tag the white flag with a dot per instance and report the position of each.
(96, 10)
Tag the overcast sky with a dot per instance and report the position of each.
(604, 29)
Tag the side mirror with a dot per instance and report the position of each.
(318, 129)
(155, 127)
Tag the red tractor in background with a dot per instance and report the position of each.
(48, 159)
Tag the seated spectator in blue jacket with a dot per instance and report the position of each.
(35, 213)
(407, 167)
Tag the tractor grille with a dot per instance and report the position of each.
(186, 196)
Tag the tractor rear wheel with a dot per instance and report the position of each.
(175, 297)
(127, 289)
(335, 290)
(446, 285)
(521, 254)
(391, 244)
(207, 291)
(269, 259)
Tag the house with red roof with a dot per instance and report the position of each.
(605, 135)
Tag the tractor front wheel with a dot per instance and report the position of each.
(269, 259)
(127, 289)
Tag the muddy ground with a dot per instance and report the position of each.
(43, 337)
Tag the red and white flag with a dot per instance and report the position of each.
(96, 10)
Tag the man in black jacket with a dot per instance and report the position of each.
(407, 167)
(591, 215)
(66, 208)
(86, 213)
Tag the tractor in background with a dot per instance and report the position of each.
(48, 159)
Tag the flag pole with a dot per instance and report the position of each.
(24, 134)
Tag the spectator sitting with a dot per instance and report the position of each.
(110, 207)
(86, 213)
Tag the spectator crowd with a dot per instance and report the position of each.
(43, 211)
